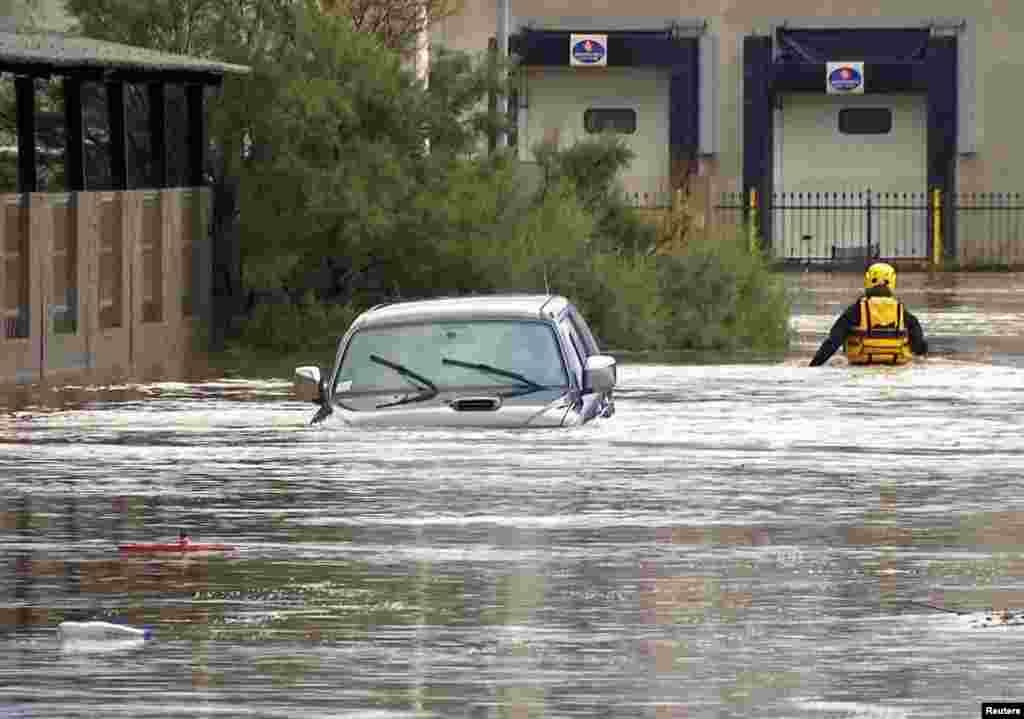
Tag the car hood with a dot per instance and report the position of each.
(464, 408)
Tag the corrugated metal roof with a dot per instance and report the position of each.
(63, 52)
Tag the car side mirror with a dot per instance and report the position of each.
(312, 375)
(599, 374)
(308, 374)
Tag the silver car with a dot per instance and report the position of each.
(480, 361)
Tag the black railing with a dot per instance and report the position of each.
(830, 228)
(838, 227)
(990, 228)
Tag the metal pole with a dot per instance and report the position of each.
(504, 21)
(423, 47)
(423, 57)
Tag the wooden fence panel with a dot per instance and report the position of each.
(64, 343)
(110, 343)
(102, 286)
(156, 345)
(20, 356)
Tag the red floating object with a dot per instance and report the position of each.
(182, 546)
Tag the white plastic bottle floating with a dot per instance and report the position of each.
(96, 631)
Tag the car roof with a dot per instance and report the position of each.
(476, 307)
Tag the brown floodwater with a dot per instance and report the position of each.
(742, 539)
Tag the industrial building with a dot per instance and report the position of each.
(863, 128)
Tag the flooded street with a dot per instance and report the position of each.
(752, 539)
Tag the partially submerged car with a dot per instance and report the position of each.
(480, 361)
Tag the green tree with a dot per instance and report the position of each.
(592, 167)
(720, 294)
(328, 136)
(230, 30)
(341, 154)
(334, 157)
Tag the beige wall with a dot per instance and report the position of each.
(999, 59)
(559, 96)
(134, 264)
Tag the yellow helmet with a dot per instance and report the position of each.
(880, 274)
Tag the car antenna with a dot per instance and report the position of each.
(547, 288)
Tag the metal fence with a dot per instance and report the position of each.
(990, 228)
(828, 228)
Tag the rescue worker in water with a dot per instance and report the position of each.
(876, 329)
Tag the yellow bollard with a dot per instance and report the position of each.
(936, 227)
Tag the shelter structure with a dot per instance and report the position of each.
(105, 252)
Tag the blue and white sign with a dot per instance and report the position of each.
(588, 50)
(844, 78)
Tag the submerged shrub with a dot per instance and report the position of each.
(717, 295)
(591, 167)
(295, 326)
(619, 298)
(721, 294)
(473, 228)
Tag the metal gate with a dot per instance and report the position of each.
(826, 228)
(972, 230)
(835, 226)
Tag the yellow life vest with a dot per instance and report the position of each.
(881, 336)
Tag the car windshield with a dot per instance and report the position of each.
(475, 354)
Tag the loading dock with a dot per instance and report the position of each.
(567, 105)
(844, 153)
(899, 60)
(651, 86)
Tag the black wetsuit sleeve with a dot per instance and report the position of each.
(918, 344)
(837, 335)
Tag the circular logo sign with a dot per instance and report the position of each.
(845, 79)
(588, 52)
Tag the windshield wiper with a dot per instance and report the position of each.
(428, 391)
(488, 369)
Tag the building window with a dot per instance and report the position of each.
(865, 121)
(610, 119)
